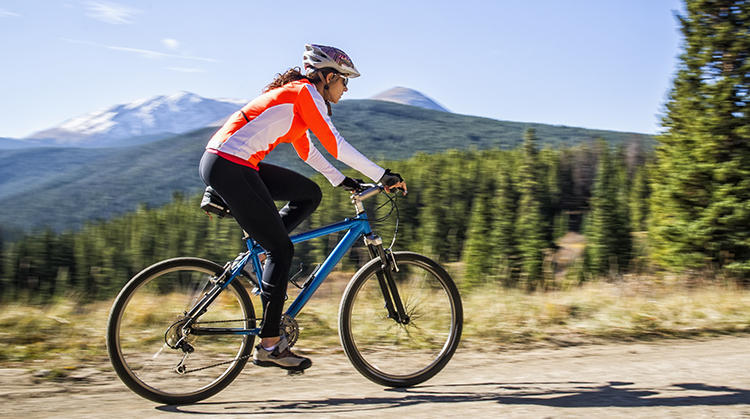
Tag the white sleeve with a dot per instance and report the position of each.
(319, 163)
(315, 114)
(356, 160)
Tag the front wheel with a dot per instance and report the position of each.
(403, 354)
(157, 353)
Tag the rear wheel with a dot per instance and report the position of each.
(146, 325)
(404, 354)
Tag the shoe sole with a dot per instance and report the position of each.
(303, 366)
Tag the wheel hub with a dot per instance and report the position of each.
(177, 337)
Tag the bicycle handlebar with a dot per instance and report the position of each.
(370, 190)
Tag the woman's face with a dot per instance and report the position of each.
(337, 87)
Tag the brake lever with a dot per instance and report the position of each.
(396, 190)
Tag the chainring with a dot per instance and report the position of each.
(290, 329)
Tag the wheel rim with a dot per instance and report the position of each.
(403, 351)
(159, 302)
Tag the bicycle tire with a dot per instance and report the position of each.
(146, 308)
(401, 355)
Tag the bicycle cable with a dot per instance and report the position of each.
(394, 206)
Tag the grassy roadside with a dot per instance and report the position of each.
(68, 333)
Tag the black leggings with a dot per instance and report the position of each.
(250, 195)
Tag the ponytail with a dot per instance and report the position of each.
(293, 74)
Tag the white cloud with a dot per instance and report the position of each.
(171, 43)
(153, 54)
(143, 52)
(5, 13)
(186, 70)
(109, 12)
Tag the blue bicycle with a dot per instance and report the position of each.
(183, 329)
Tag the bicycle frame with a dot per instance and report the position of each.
(356, 228)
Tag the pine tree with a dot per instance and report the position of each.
(639, 199)
(531, 229)
(503, 234)
(433, 212)
(458, 193)
(608, 240)
(477, 252)
(549, 166)
(700, 187)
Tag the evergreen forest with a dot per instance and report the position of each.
(492, 214)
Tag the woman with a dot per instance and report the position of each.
(232, 165)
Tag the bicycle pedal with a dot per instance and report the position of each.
(295, 372)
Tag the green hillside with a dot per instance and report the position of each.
(27, 168)
(64, 187)
(392, 129)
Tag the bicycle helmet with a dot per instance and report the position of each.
(317, 57)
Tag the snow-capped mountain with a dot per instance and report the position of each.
(406, 96)
(161, 116)
(169, 114)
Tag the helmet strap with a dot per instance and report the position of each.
(323, 79)
(325, 91)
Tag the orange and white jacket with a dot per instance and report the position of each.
(284, 115)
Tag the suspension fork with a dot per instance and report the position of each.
(393, 302)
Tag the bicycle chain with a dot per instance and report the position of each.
(220, 363)
(216, 365)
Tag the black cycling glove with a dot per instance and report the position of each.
(389, 179)
(351, 185)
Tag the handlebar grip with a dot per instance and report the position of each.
(368, 193)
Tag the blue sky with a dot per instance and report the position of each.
(585, 63)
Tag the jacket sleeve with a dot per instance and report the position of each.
(307, 152)
(313, 111)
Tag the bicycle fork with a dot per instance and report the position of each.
(388, 265)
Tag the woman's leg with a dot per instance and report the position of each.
(302, 194)
(252, 206)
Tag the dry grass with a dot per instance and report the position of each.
(621, 311)
(65, 333)
(68, 333)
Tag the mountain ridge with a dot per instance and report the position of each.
(406, 96)
(175, 113)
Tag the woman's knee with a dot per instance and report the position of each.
(316, 196)
(283, 251)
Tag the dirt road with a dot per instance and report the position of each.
(672, 379)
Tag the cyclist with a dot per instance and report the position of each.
(232, 165)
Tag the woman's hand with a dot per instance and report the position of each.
(393, 182)
(401, 186)
(352, 185)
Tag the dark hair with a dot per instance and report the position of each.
(295, 74)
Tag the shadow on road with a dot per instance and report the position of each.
(552, 394)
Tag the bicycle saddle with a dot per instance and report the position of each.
(213, 204)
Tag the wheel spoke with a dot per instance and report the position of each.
(395, 354)
(152, 307)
